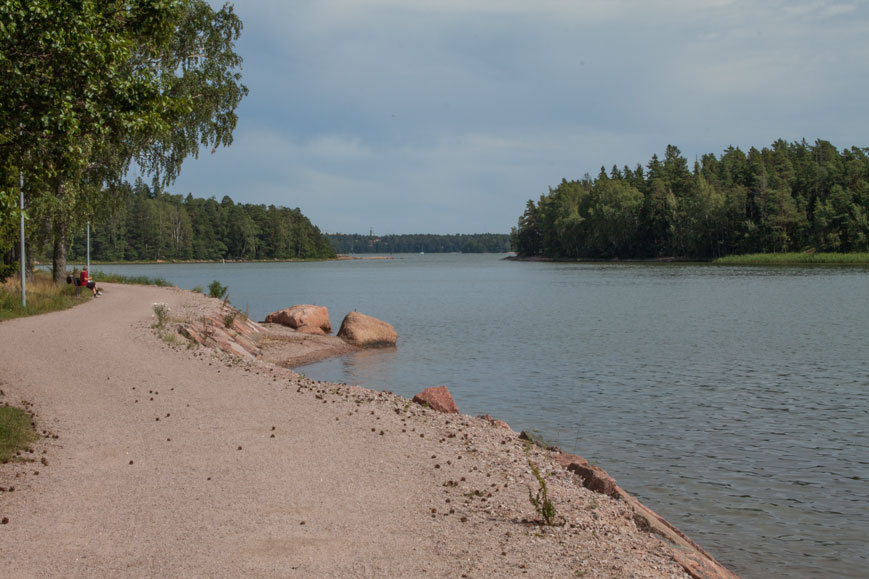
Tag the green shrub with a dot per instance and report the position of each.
(216, 290)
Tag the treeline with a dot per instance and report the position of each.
(788, 197)
(151, 225)
(414, 243)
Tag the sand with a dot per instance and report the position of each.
(168, 461)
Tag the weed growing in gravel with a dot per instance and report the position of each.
(161, 310)
(229, 317)
(541, 501)
(207, 327)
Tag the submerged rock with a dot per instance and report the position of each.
(366, 331)
(302, 315)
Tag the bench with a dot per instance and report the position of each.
(76, 281)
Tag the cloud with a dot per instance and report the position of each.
(446, 116)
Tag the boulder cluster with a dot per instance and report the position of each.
(356, 329)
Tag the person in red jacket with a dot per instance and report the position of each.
(85, 281)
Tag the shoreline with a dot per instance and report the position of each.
(427, 493)
(759, 260)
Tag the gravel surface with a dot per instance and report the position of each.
(160, 460)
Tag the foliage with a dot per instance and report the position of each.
(150, 225)
(414, 243)
(216, 290)
(790, 197)
(7, 270)
(89, 87)
(16, 431)
(541, 501)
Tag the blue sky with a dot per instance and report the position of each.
(408, 116)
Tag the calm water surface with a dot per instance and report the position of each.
(732, 400)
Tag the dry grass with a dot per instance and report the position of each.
(42, 296)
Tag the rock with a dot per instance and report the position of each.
(366, 331)
(495, 422)
(314, 330)
(438, 399)
(538, 440)
(596, 479)
(302, 315)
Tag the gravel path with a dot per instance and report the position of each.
(164, 461)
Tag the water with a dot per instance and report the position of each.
(732, 400)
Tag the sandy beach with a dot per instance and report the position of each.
(160, 460)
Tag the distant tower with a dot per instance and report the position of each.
(371, 232)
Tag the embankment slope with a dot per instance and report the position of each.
(176, 462)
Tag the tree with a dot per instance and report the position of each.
(90, 86)
(613, 218)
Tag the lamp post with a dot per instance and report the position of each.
(21, 227)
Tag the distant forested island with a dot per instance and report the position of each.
(149, 225)
(789, 197)
(415, 243)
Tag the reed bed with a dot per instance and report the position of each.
(100, 276)
(857, 258)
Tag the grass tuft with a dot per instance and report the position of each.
(16, 431)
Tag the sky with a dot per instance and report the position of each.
(418, 116)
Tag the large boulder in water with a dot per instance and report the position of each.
(302, 315)
(366, 331)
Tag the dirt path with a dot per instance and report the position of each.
(178, 463)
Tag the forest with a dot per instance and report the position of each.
(415, 243)
(150, 225)
(789, 197)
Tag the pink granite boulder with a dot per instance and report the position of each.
(313, 330)
(438, 398)
(594, 478)
(302, 315)
(366, 331)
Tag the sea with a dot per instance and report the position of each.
(732, 400)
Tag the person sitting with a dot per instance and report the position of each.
(86, 281)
